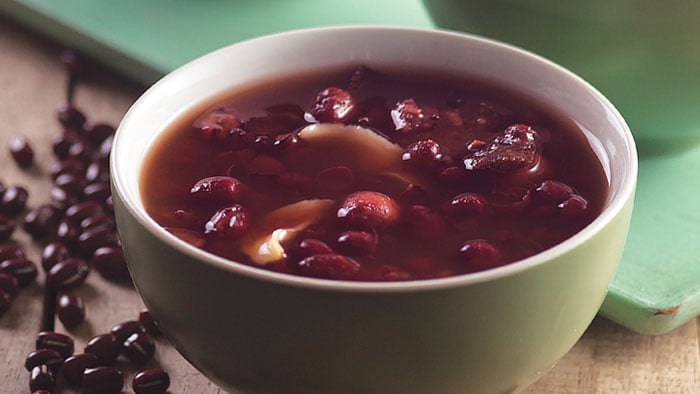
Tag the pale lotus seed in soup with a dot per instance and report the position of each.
(367, 175)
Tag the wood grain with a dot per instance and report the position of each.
(608, 359)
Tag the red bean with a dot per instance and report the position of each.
(139, 348)
(148, 323)
(61, 343)
(102, 380)
(357, 242)
(151, 381)
(7, 227)
(423, 153)
(97, 191)
(67, 273)
(71, 117)
(61, 198)
(11, 251)
(231, 221)
(5, 301)
(369, 208)
(95, 134)
(125, 329)
(21, 152)
(105, 347)
(62, 143)
(217, 189)
(328, 266)
(74, 367)
(552, 192)
(9, 284)
(109, 262)
(70, 165)
(52, 253)
(41, 378)
(479, 254)
(48, 357)
(95, 238)
(14, 200)
(41, 221)
(308, 247)
(574, 207)
(21, 268)
(76, 213)
(467, 205)
(332, 105)
(70, 310)
(67, 233)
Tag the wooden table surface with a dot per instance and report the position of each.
(607, 359)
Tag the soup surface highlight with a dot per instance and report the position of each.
(366, 175)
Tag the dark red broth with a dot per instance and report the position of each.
(459, 176)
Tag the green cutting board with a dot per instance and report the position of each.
(657, 286)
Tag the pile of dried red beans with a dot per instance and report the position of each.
(78, 231)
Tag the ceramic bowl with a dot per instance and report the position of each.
(642, 54)
(256, 331)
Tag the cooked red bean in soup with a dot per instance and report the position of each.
(374, 175)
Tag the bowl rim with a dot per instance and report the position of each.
(610, 212)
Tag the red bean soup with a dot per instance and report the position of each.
(367, 175)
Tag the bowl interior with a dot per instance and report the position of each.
(213, 76)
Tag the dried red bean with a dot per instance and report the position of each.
(48, 357)
(102, 380)
(124, 330)
(14, 200)
(67, 233)
(480, 254)
(9, 284)
(97, 191)
(63, 344)
(76, 213)
(217, 189)
(104, 151)
(67, 273)
(70, 310)
(335, 178)
(52, 253)
(139, 348)
(151, 381)
(71, 117)
(357, 242)
(5, 301)
(109, 262)
(81, 151)
(95, 134)
(21, 268)
(62, 143)
(97, 172)
(97, 220)
(105, 347)
(332, 105)
(328, 266)
(74, 367)
(7, 227)
(21, 151)
(70, 183)
(11, 251)
(41, 221)
(70, 165)
(94, 238)
(231, 221)
(148, 323)
(61, 198)
(41, 378)
(369, 208)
